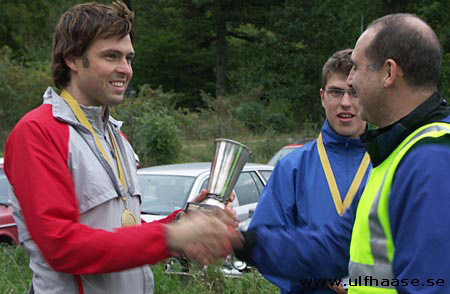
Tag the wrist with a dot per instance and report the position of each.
(172, 239)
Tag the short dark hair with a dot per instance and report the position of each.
(339, 63)
(80, 26)
(416, 50)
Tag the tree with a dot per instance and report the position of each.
(185, 42)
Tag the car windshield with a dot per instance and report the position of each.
(4, 188)
(280, 154)
(162, 194)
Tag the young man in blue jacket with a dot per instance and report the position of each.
(396, 239)
(317, 183)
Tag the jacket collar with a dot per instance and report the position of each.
(382, 141)
(62, 112)
(332, 140)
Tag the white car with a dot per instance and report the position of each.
(166, 188)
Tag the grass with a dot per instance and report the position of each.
(15, 275)
(15, 278)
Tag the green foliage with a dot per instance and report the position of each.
(286, 61)
(173, 50)
(279, 122)
(275, 52)
(437, 13)
(150, 126)
(15, 274)
(158, 141)
(21, 89)
(251, 114)
(217, 119)
(27, 26)
(210, 280)
(271, 143)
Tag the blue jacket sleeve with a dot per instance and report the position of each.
(276, 209)
(305, 254)
(420, 219)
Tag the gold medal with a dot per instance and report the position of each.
(128, 218)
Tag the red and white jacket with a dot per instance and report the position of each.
(68, 208)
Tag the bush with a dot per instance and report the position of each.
(251, 113)
(21, 89)
(150, 125)
(158, 140)
(270, 144)
(216, 120)
(279, 122)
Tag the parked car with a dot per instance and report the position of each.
(8, 228)
(286, 150)
(282, 153)
(167, 188)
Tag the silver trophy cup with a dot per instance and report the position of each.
(229, 160)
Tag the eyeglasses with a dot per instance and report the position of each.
(339, 93)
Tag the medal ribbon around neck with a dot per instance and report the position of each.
(341, 207)
(128, 218)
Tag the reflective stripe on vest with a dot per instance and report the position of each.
(372, 247)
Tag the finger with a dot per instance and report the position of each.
(224, 217)
(194, 251)
(203, 256)
(232, 196)
(201, 196)
(232, 214)
(338, 289)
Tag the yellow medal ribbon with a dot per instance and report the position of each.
(128, 218)
(341, 207)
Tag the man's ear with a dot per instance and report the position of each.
(392, 73)
(71, 62)
(322, 93)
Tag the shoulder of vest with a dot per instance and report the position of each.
(442, 140)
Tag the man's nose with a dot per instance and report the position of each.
(346, 100)
(349, 80)
(125, 68)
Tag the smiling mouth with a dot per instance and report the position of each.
(118, 84)
(345, 115)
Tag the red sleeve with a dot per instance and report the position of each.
(170, 218)
(36, 156)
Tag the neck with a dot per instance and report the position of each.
(401, 104)
(82, 100)
(80, 97)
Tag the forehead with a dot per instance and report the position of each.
(337, 80)
(114, 43)
(358, 54)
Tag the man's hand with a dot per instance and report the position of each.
(229, 210)
(339, 289)
(202, 237)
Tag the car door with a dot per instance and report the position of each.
(248, 189)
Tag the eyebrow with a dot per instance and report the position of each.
(118, 52)
(339, 88)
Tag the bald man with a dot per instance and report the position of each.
(396, 239)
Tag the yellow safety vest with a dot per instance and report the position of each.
(372, 247)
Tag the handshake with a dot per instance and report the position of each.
(205, 236)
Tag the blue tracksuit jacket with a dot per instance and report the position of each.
(298, 196)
